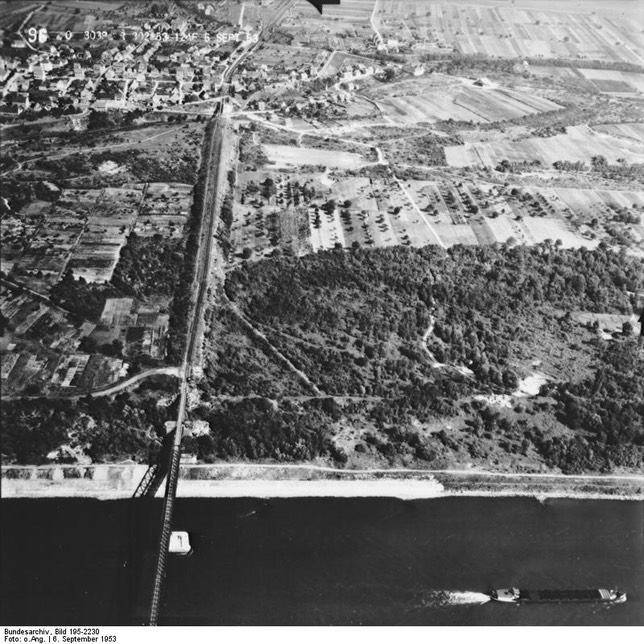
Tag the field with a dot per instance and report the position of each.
(343, 27)
(602, 80)
(429, 101)
(580, 143)
(141, 327)
(536, 30)
(154, 153)
(380, 213)
(107, 227)
(286, 155)
(498, 218)
(48, 250)
(86, 229)
(261, 224)
(346, 13)
(43, 346)
(371, 212)
(308, 212)
(31, 318)
(633, 131)
(164, 210)
(610, 81)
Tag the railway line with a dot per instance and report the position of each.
(209, 221)
(215, 158)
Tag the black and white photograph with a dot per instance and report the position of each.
(321, 313)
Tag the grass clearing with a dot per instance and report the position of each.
(286, 155)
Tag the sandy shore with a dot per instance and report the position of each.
(120, 481)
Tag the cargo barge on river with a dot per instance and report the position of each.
(592, 595)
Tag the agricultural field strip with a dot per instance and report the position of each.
(631, 78)
(634, 131)
(463, 103)
(580, 143)
(586, 35)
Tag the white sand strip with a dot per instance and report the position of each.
(292, 489)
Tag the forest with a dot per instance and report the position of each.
(130, 426)
(148, 266)
(354, 323)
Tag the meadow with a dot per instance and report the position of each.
(579, 143)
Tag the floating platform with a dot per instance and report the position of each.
(180, 543)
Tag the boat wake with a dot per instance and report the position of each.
(437, 598)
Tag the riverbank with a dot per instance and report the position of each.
(285, 481)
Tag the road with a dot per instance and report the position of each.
(419, 212)
(106, 391)
(407, 470)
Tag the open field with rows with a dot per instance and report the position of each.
(538, 29)
(606, 81)
(107, 227)
(633, 131)
(429, 101)
(614, 82)
(348, 12)
(580, 143)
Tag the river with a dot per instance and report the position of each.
(320, 561)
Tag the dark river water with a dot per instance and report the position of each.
(319, 561)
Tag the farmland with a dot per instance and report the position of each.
(442, 98)
(349, 12)
(633, 131)
(312, 212)
(614, 82)
(606, 81)
(535, 30)
(164, 210)
(44, 347)
(100, 226)
(580, 143)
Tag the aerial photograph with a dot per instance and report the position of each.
(321, 313)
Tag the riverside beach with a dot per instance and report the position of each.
(118, 481)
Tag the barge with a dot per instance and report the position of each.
(592, 595)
